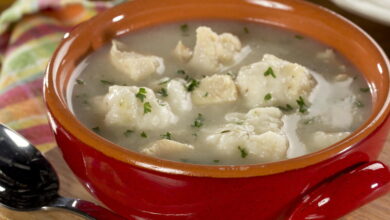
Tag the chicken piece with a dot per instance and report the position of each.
(215, 89)
(135, 65)
(168, 149)
(182, 52)
(127, 110)
(319, 139)
(178, 97)
(212, 52)
(256, 136)
(274, 82)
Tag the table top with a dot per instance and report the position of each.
(70, 187)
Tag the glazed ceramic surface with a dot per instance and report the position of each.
(323, 185)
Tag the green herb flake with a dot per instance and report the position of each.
(302, 105)
(359, 104)
(184, 28)
(308, 121)
(141, 95)
(268, 97)
(269, 71)
(181, 72)
(106, 82)
(225, 131)
(206, 94)
(184, 160)
(85, 102)
(192, 84)
(127, 133)
(231, 75)
(364, 90)
(216, 161)
(287, 108)
(79, 81)
(243, 151)
(96, 129)
(246, 30)
(195, 134)
(143, 134)
(299, 37)
(147, 107)
(163, 92)
(167, 135)
(164, 82)
(198, 121)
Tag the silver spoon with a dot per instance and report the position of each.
(28, 182)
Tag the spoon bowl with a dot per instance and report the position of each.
(28, 182)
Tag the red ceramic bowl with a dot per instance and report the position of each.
(322, 185)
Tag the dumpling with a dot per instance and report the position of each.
(135, 107)
(321, 139)
(136, 66)
(274, 82)
(169, 149)
(212, 52)
(243, 136)
(178, 97)
(214, 90)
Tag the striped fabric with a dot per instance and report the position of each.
(30, 30)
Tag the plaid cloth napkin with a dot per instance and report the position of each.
(30, 30)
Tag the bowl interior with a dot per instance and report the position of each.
(307, 19)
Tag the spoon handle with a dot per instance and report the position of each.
(84, 208)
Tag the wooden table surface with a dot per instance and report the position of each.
(376, 210)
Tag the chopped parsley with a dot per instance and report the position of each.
(141, 95)
(192, 84)
(308, 121)
(106, 82)
(147, 107)
(183, 160)
(364, 89)
(79, 81)
(198, 121)
(268, 97)
(359, 104)
(216, 161)
(143, 134)
(96, 129)
(225, 131)
(127, 133)
(195, 134)
(246, 30)
(302, 105)
(164, 82)
(243, 151)
(167, 135)
(269, 71)
(181, 72)
(184, 28)
(163, 92)
(206, 94)
(85, 102)
(287, 108)
(299, 37)
(231, 75)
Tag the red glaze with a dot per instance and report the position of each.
(137, 185)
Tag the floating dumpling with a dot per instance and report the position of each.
(274, 82)
(135, 65)
(215, 89)
(137, 108)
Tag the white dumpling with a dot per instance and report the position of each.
(243, 136)
(212, 52)
(136, 66)
(128, 111)
(178, 97)
(274, 82)
(215, 89)
(319, 139)
(169, 149)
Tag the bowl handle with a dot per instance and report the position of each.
(344, 193)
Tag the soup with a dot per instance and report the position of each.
(219, 92)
